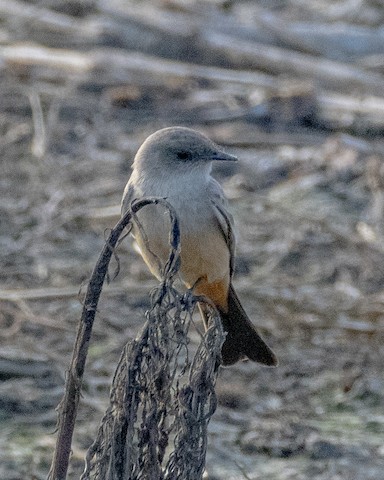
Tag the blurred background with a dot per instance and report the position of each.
(296, 90)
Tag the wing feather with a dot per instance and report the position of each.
(128, 196)
(224, 219)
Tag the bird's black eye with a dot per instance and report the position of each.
(183, 155)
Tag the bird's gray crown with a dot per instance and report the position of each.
(176, 146)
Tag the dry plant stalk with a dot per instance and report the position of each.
(160, 403)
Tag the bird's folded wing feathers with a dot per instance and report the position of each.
(224, 219)
(128, 196)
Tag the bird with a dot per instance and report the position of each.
(175, 164)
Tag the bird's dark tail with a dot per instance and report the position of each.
(242, 340)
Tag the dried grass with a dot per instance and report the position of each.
(158, 396)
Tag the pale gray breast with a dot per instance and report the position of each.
(205, 246)
(204, 251)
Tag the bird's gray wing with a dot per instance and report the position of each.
(224, 219)
(128, 196)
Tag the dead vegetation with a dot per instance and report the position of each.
(162, 397)
(295, 89)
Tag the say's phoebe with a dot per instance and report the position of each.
(175, 163)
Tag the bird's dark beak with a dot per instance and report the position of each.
(220, 155)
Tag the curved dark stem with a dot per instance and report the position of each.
(67, 409)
